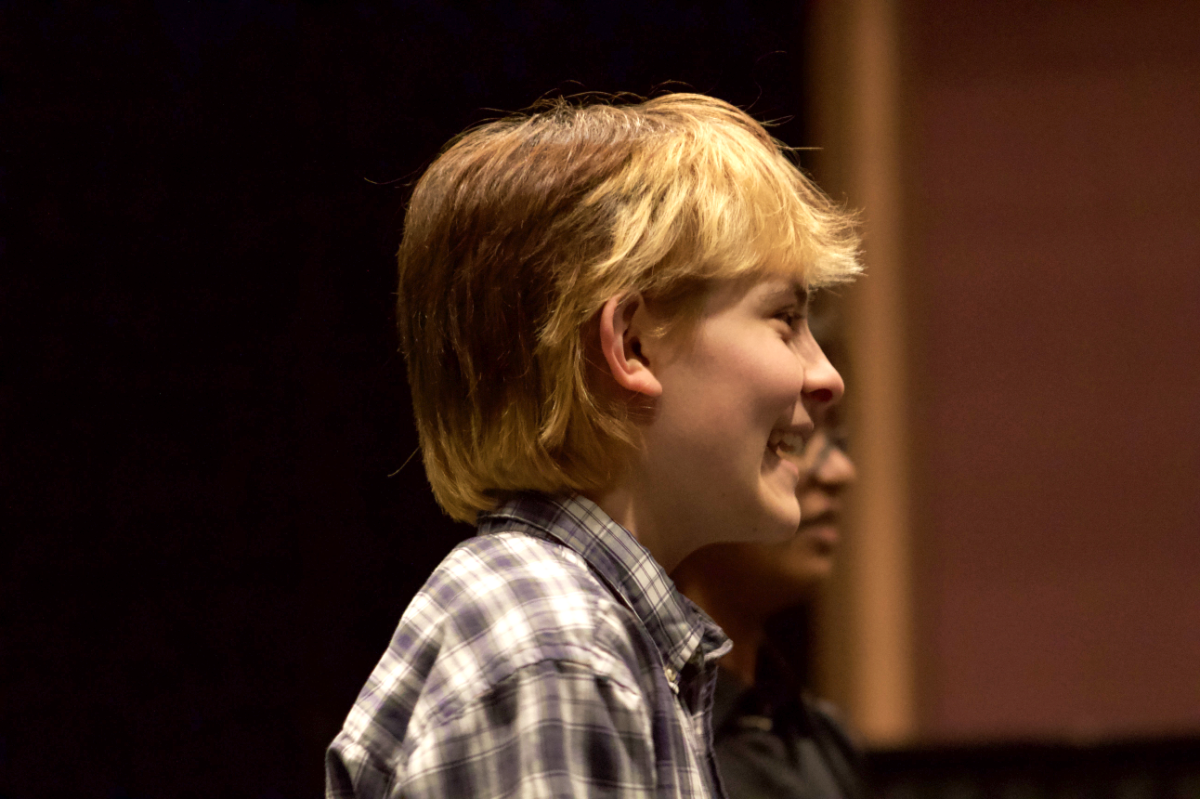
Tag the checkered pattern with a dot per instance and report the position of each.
(549, 656)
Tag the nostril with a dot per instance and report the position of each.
(822, 395)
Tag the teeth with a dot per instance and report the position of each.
(786, 443)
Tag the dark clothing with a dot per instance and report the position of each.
(774, 743)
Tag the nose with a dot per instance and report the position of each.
(823, 386)
(836, 470)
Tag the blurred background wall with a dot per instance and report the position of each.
(1027, 546)
(201, 409)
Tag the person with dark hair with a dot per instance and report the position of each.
(603, 309)
(773, 741)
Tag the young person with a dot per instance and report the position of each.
(772, 740)
(602, 309)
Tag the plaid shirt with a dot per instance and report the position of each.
(549, 656)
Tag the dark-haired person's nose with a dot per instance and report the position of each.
(835, 470)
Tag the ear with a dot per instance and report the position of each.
(623, 321)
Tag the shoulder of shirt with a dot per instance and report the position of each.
(832, 724)
(511, 599)
(497, 604)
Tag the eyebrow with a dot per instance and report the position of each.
(792, 291)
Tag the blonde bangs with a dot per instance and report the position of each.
(730, 207)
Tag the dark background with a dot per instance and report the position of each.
(200, 398)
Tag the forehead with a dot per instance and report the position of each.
(782, 289)
(769, 289)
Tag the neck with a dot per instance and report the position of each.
(745, 628)
(662, 540)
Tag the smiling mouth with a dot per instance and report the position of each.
(821, 532)
(787, 444)
(826, 518)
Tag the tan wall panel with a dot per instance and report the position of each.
(866, 622)
(1024, 554)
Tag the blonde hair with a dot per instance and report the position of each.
(523, 228)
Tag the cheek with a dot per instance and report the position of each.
(774, 376)
(761, 364)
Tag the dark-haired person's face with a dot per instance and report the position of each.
(808, 558)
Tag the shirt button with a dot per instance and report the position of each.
(672, 675)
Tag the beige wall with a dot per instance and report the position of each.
(1033, 222)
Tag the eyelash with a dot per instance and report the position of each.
(791, 317)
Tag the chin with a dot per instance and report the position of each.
(809, 568)
(781, 527)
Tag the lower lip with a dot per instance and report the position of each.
(793, 468)
(822, 532)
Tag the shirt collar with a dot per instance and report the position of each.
(680, 630)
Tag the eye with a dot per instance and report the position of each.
(792, 316)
